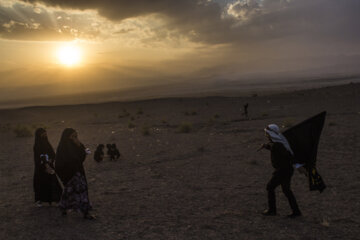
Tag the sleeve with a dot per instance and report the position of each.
(268, 146)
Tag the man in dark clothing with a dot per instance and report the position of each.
(246, 110)
(282, 160)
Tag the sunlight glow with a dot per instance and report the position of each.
(69, 55)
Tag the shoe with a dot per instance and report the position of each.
(63, 212)
(89, 216)
(38, 204)
(268, 212)
(294, 215)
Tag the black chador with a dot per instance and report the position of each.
(282, 160)
(71, 154)
(99, 153)
(46, 185)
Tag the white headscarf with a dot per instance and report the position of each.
(276, 136)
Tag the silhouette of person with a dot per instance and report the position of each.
(71, 154)
(46, 185)
(282, 160)
(246, 110)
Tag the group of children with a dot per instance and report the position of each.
(112, 152)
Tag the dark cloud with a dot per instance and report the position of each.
(199, 20)
(238, 20)
(325, 20)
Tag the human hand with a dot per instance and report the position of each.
(264, 145)
(49, 169)
(88, 151)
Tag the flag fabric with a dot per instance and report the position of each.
(315, 181)
(304, 140)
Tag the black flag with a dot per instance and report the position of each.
(304, 139)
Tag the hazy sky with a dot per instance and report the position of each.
(136, 43)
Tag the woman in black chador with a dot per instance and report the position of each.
(46, 185)
(70, 156)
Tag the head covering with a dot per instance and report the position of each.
(65, 136)
(274, 132)
(42, 144)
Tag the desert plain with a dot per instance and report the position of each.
(189, 168)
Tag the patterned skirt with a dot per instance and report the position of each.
(75, 195)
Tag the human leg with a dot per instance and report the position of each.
(286, 188)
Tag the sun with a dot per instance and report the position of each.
(69, 55)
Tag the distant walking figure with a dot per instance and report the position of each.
(282, 160)
(246, 110)
(69, 166)
(46, 185)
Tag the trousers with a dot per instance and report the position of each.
(283, 178)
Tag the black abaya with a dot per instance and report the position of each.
(46, 186)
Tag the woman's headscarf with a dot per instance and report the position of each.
(65, 138)
(276, 136)
(42, 144)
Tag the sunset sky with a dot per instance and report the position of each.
(55, 47)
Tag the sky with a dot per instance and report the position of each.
(193, 43)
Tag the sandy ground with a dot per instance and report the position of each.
(206, 184)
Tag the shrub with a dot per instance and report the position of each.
(216, 116)
(185, 128)
(131, 125)
(253, 162)
(139, 111)
(188, 113)
(5, 127)
(23, 131)
(145, 130)
(201, 149)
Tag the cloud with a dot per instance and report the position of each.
(315, 19)
(198, 20)
(19, 21)
(238, 21)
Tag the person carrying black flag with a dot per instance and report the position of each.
(296, 146)
(282, 160)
